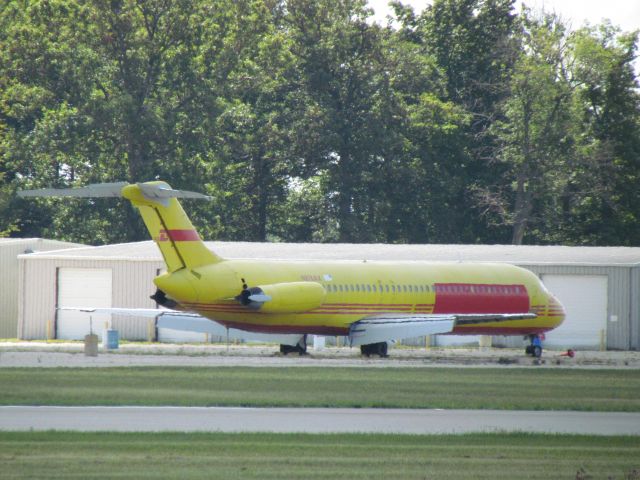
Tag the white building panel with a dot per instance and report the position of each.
(585, 301)
(169, 335)
(83, 287)
(456, 340)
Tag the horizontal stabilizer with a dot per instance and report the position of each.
(162, 192)
(90, 191)
(156, 191)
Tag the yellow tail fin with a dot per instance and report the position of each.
(169, 226)
(180, 244)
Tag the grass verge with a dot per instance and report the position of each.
(67, 455)
(519, 389)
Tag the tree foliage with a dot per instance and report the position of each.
(307, 121)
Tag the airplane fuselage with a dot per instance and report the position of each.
(352, 290)
(370, 302)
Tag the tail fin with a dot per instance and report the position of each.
(169, 226)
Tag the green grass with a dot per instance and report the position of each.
(491, 388)
(51, 455)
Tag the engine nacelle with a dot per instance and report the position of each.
(291, 297)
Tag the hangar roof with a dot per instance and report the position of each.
(10, 240)
(520, 255)
(39, 243)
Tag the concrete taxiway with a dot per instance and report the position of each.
(314, 420)
(56, 354)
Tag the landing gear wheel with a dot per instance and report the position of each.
(300, 348)
(287, 349)
(535, 348)
(379, 349)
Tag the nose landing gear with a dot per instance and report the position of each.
(535, 348)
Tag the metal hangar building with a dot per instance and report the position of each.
(10, 248)
(599, 286)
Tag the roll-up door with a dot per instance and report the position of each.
(82, 287)
(585, 301)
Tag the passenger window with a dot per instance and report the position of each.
(368, 288)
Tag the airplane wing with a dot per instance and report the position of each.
(385, 327)
(371, 329)
(136, 312)
(191, 322)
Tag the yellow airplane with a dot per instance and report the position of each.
(371, 303)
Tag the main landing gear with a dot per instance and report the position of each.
(535, 348)
(300, 348)
(374, 349)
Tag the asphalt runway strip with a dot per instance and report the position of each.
(314, 420)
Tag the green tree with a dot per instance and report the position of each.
(600, 203)
(341, 58)
(534, 137)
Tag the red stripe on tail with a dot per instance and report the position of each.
(179, 236)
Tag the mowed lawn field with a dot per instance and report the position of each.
(67, 455)
(452, 388)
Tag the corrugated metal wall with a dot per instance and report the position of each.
(634, 306)
(619, 300)
(132, 286)
(9, 251)
(9, 288)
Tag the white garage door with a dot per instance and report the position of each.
(585, 301)
(82, 287)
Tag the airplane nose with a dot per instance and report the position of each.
(555, 310)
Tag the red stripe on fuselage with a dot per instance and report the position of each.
(480, 298)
